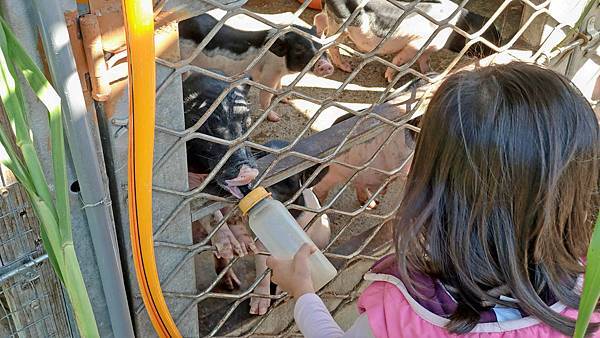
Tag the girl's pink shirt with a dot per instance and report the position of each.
(388, 311)
(392, 313)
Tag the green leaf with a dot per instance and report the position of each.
(44, 91)
(7, 91)
(50, 235)
(13, 162)
(591, 284)
(78, 294)
(584, 13)
(14, 110)
(12, 96)
(54, 218)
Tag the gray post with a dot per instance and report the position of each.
(86, 153)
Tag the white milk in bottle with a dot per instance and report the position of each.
(281, 235)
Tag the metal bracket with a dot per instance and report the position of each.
(591, 29)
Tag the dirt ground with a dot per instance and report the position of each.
(369, 83)
(363, 90)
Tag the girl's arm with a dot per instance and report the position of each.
(311, 315)
(314, 320)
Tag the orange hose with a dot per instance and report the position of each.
(139, 28)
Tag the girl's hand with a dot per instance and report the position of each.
(293, 276)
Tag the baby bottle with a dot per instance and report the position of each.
(280, 233)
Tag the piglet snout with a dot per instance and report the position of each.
(245, 177)
(195, 180)
(323, 67)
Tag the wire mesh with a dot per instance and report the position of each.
(31, 300)
(360, 234)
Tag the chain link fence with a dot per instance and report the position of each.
(31, 300)
(380, 113)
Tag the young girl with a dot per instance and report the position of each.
(497, 215)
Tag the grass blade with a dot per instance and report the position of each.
(44, 91)
(84, 316)
(591, 284)
(50, 235)
(9, 95)
(14, 111)
(54, 215)
(13, 162)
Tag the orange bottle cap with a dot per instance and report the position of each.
(256, 195)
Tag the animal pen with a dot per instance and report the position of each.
(90, 71)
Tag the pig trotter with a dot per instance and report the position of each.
(372, 205)
(345, 66)
(265, 100)
(363, 195)
(320, 22)
(424, 64)
(389, 74)
(258, 305)
(229, 281)
(286, 99)
(226, 243)
(341, 64)
(243, 237)
(336, 59)
(273, 117)
(401, 58)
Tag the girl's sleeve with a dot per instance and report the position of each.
(314, 320)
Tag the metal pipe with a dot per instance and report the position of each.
(93, 190)
(26, 264)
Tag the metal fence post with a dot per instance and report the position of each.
(89, 169)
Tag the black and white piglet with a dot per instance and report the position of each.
(375, 20)
(228, 121)
(232, 50)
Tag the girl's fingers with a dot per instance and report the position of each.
(306, 250)
(274, 279)
(272, 262)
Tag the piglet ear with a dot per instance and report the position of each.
(279, 47)
(245, 88)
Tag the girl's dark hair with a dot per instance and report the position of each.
(502, 192)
